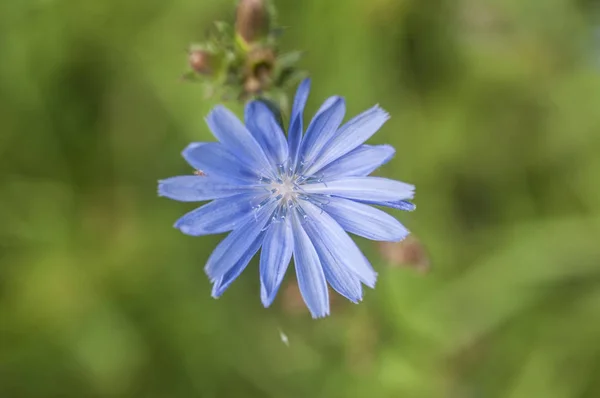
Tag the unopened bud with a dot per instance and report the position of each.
(261, 62)
(252, 20)
(259, 66)
(200, 61)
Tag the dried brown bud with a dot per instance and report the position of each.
(261, 62)
(408, 253)
(252, 20)
(200, 61)
(259, 66)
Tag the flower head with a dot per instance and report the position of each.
(293, 197)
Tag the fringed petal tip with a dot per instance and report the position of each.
(160, 188)
(403, 238)
(179, 223)
(319, 313)
(215, 292)
(218, 289)
(191, 147)
(384, 114)
(391, 153)
(358, 300)
(371, 283)
(267, 300)
(403, 205)
(410, 191)
(410, 206)
(185, 229)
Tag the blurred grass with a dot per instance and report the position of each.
(495, 118)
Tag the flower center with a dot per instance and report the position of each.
(286, 189)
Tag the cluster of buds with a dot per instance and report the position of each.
(243, 61)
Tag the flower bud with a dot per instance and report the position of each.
(260, 64)
(259, 67)
(200, 61)
(408, 253)
(252, 20)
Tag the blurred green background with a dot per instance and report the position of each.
(495, 116)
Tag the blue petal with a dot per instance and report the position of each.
(296, 122)
(228, 129)
(341, 279)
(365, 221)
(339, 275)
(398, 205)
(311, 278)
(237, 243)
(197, 188)
(274, 259)
(226, 280)
(364, 189)
(327, 234)
(350, 136)
(360, 162)
(322, 128)
(264, 127)
(218, 216)
(214, 159)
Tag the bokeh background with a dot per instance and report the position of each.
(495, 116)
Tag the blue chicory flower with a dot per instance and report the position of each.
(293, 197)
